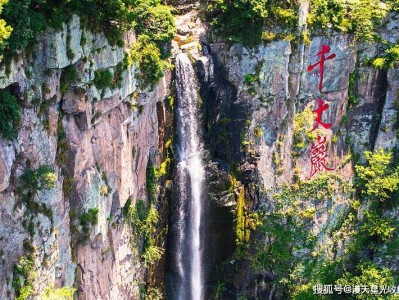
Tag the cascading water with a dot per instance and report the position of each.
(189, 184)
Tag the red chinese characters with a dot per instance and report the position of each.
(324, 50)
(318, 151)
(321, 107)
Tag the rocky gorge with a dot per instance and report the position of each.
(89, 187)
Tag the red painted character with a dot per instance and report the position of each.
(324, 50)
(321, 107)
(318, 151)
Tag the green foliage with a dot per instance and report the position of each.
(378, 180)
(23, 278)
(250, 79)
(153, 20)
(352, 99)
(390, 59)
(359, 17)
(152, 293)
(367, 274)
(89, 218)
(29, 17)
(242, 21)
(64, 293)
(103, 79)
(144, 222)
(152, 182)
(25, 21)
(5, 29)
(69, 76)
(375, 226)
(147, 56)
(43, 178)
(10, 115)
(302, 126)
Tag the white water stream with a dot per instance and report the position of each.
(190, 181)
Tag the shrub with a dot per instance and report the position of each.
(103, 79)
(69, 75)
(378, 179)
(147, 56)
(357, 17)
(154, 20)
(64, 293)
(5, 29)
(243, 21)
(10, 115)
(42, 178)
(23, 277)
(89, 218)
(367, 274)
(144, 222)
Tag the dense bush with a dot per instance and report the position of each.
(358, 17)
(154, 20)
(103, 79)
(243, 21)
(378, 180)
(147, 56)
(42, 178)
(9, 115)
(26, 18)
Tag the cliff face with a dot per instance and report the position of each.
(253, 97)
(99, 143)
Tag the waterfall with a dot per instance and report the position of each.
(189, 183)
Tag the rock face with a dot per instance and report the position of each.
(251, 99)
(99, 143)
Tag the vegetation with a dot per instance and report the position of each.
(64, 293)
(42, 178)
(103, 79)
(69, 76)
(147, 56)
(378, 180)
(89, 218)
(243, 21)
(10, 114)
(302, 126)
(144, 222)
(23, 278)
(359, 17)
(358, 234)
(153, 174)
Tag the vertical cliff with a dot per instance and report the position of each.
(95, 144)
